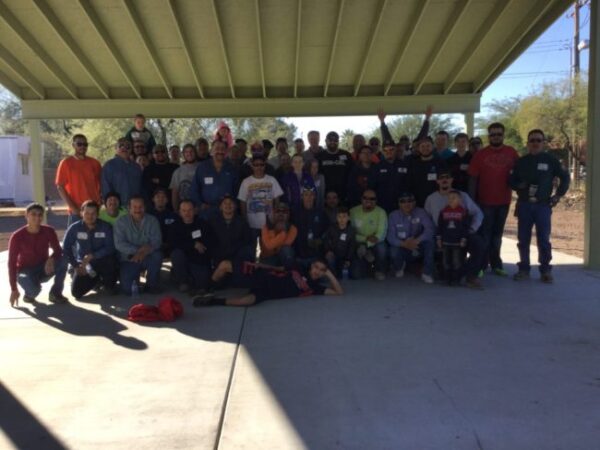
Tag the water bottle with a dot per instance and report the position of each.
(90, 270)
(135, 290)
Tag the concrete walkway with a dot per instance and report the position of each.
(393, 365)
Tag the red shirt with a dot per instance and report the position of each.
(492, 167)
(27, 250)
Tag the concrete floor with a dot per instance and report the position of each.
(394, 365)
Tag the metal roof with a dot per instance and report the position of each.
(187, 58)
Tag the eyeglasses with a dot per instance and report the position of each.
(535, 140)
(496, 134)
(369, 199)
(81, 144)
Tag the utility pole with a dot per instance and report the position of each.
(576, 39)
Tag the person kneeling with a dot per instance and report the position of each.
(90, 249)
(270, 283)
(277, 238)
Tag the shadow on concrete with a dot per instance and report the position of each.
(22, 427)
(83, 322)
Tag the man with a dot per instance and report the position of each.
(458, 163)
(475, 246)
(120, 174)
(90, 249)
(258, 195)
(159, 173)
(489, 170)
(370, 222)
(140, 132)
(375, 144)
(181, 181)
(214, 178)
(202, 150)
(174, 154)
(112, 209)
(410, 237)
(423, 171)
(442, 138)
(281, 147)
(140, 153)
(138, 241)
(312, 223)
(533, 178)
(391, 178)
(78, 178)
(188, 240)
(335, 165)
(269, 283)
(298, 146)
(242, 145)
(166, 218)
(29, 263)
(314, 147)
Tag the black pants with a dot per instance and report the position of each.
(453, 260)
(107, 271)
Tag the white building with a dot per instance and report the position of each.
(16, 181)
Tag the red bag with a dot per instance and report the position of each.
(169, 309)
(143, 313)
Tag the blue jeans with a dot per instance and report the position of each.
(492, 228)
(31, 278)
(360, 266)
(399, 256)
(187, 272)
(131, 271)
(285, 258)
(540, 215)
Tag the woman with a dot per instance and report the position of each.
(293, 182)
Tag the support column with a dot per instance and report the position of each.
(470, 123)
(37, 166)
(592, 184)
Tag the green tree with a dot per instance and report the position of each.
(411, 125)
(346, 139)
(504, 111)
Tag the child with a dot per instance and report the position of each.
(139, 131)
(340, 243)
(453, 229)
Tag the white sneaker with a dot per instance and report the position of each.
(399, 273)
(427, 278)
(379, 276)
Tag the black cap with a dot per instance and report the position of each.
(407, 196)
(388, 143)
(332, 135)
(267, 144)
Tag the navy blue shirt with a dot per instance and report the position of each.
(80, 241)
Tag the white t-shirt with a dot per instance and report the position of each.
(258, 194)
(182, 180)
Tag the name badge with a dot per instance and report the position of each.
(169, 221)
(82, 235)
(542, 166)
(415, 220)
(310, 235)
(343, 157)
(464, 167)
(431, 176)
(401, 234)
(208, 180)
(402, 170)
(383, 171)
(100, 235)
(196, 234)
(343, 237)
(318, 183)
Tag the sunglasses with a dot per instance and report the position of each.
(370, 199)
(535, 141)
(496, 134)
(81, 144)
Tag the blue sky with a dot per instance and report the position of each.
(545, 60)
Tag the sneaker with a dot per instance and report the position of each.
(547, 278)
(480, 274)
(399, 273)
(500, 272)
(521, 275)
(474, 283)
(28, 299)
(202, 299)
(57, 298)
(427, 278)
(183, 287)
(379, 276)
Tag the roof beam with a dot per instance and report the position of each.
(70, 43)
(110, 46)
(298, 34)
(488, 24)
(261, 61)
(374, 34)
(139, 28)
(10, 85)
(21, 72)
(415, 20)
(558, 8)
(176, 15)
(334, 46)
(529, 20)
(26, 37)
(223, 49)
(451, 25)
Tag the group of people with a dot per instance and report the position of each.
(316, 214)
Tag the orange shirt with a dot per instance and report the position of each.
(80, 178)
(271, 241)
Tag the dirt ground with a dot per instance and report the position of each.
(567, 225)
